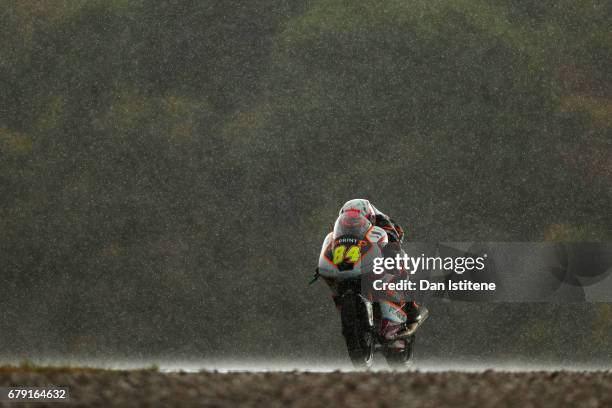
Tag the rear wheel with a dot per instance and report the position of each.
(401, 358)
(357, 332)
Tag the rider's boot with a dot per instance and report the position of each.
(415, 316)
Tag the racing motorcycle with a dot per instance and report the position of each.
(370, 323)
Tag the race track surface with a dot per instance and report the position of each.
(150, 388)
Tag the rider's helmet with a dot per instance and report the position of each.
(351, 223)
(363, 206)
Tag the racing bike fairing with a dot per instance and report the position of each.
(349, 251)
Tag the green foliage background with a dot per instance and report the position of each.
(169, 169)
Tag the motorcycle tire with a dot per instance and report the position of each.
(357, 333)
(402, 358)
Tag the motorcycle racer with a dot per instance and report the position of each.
(362, 235)
(412, 311)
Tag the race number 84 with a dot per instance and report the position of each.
(341, 254)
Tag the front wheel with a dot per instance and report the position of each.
(357, 332)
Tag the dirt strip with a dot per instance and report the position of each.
(149, 388)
